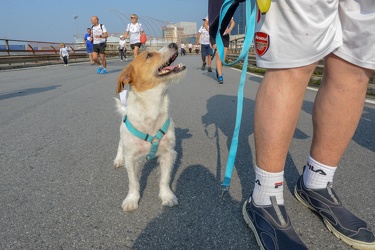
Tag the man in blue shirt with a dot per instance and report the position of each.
(89, 44)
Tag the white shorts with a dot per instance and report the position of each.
(297, 33)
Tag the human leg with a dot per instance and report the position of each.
(95, 58)
(278, 103)
(135, 51)
(104, 61)
(90, 57)
(209, 58)
(65, 58)
(277, 108)
(339, 102)
(121, 53)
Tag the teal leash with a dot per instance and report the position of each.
(250, 28)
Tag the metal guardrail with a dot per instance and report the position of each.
(41, 52)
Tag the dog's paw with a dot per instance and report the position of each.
(168, 199)
(119, 162)
(130, 204)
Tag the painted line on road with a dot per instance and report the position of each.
(310, 88)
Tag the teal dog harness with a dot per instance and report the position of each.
(154, 140)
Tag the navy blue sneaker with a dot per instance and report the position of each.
(339, 220)
(271, 226)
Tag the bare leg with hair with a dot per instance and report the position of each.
(277, 107)
(135, 51)
(338, 104)
(219, 64)
(104, 62)
(95, 58)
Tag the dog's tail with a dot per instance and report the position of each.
(119, 107)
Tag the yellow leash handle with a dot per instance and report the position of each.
(263, 6)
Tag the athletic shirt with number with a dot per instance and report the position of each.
(97, 31)
(205, 36)
(135, 31)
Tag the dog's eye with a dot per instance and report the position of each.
(149, 55)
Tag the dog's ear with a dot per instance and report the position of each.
(125, 77)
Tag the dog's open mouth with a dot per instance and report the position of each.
(167, 69)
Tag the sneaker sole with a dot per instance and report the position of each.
(353, 243)
(251, 226)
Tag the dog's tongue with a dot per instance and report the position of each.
(170, 68)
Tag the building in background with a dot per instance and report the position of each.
(190, 28)
(189, 32)
(240, 19)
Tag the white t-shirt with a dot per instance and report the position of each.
(135, 31)
(64, 51)
(205, 36)
(190, 46)
(97, 31)
(122, 44)
(182, 46)
(288, 38)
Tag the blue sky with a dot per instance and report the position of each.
(53, 20)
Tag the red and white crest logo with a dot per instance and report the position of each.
(262, 43)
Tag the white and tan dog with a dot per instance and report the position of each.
(148, 75)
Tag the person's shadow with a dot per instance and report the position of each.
(28, 91)
(221, 115)
(199, 221)
(365, 132)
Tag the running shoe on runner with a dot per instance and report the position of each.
(220, 80)
(203, 66)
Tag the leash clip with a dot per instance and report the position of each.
(224, 189)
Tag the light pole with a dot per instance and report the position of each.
(75, 19)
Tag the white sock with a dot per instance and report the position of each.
(266, 185)
(317, 175)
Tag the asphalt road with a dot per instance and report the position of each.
(59, 189)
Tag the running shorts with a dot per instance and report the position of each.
(298, 33)
(225, 39)
(206, 50)
(89, 49)
(99, 48)
(135, 45)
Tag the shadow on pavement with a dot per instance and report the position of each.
(365, 133)
(199, 221)
(181, 134)
(26, 92)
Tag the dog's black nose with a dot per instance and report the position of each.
(173, 46)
